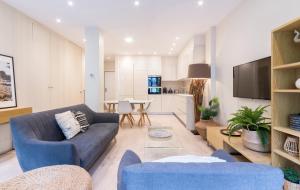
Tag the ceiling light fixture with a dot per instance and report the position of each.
(58, 20)
(136, 3)
(84, 40)
(155, 53)
(174, 44)
(128, 40)
(71, 3)
(177, 38)
(200, 3)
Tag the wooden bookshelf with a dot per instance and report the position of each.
(286, 91)
(285, 96)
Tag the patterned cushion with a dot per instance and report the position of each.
(81, 118)
(68, 124)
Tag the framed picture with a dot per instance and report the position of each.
(7, 82)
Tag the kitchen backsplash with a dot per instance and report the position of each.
(177, 87)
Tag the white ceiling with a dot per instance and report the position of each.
(154, 25)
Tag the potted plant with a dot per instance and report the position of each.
(207, 113)
(292, 180)
(256, 128)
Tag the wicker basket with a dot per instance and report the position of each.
(291, 186)
(291, 146)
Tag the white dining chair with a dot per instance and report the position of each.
(125, 110)
(144, 113)
(132, 105)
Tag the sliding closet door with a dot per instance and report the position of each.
(39, 69)
(73, 74)
(56, 71)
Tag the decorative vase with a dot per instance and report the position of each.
(297, 83)
(252, 141)
(291, 186)
(291, 146)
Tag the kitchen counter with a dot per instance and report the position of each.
(182, 105)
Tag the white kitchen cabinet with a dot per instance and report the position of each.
(169, 68)
(124, 75)
(156, 103)
(154, 65)
(184, 110)
(168, 103)
(184, 60)
(140, 83)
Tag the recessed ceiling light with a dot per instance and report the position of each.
(155, 53)
(71, 3)
(171, 49)
(84, 40)
(128, 40)
(58, 20)
(177, 38)
(174, 44)
(200, 3)
(136, 3)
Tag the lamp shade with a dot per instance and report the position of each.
(199, 71)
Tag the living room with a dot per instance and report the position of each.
(144, 94)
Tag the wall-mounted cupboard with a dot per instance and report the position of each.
(169, 68)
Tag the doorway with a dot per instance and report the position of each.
(109, 85)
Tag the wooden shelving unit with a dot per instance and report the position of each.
(285, 96)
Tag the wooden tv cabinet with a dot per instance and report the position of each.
(235, 146)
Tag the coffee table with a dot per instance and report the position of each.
(157, 148)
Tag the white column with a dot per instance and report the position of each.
(94, 69)
(211, 58)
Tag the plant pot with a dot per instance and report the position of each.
(291, 186)
(252, 141)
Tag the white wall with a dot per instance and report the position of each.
(244, 36)
(48, 68)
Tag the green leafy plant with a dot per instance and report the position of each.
(208, 113)
(291, 175)
(252, 120)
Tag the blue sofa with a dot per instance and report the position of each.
(39, 141)
(232, 175)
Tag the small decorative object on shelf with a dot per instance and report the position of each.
(294, 121)
(291, 146)
(291, 179)
(297, 36)
(297, 83)
(256, 128)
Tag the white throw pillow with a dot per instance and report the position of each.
(68, 124)
(191, 159)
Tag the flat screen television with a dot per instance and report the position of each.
(253, 80)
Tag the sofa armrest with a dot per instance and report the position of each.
(106, 118)
(224, 155)
(129, 158)
(47, 153)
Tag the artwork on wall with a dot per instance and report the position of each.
(7, 82)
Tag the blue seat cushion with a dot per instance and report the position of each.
(91, 144)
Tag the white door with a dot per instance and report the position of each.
(110, 93)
